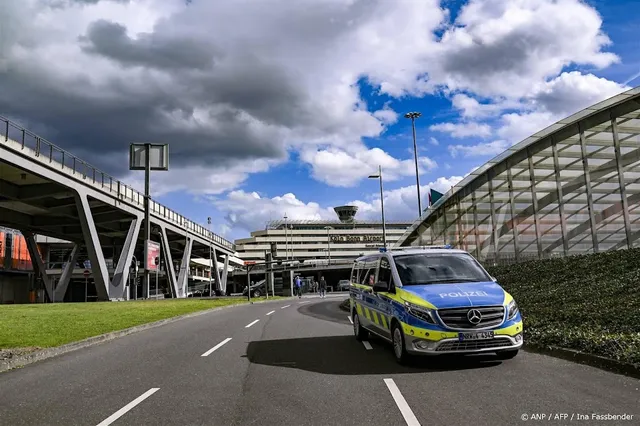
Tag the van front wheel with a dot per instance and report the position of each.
(399, 348)
(359, 331)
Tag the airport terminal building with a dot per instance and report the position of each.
(571, 188)
(320, 240)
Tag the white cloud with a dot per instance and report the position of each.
(240, 81)
(482, 149)
(463, 130)
(344, 168)
(572, 91)
(249, 211)
(433, 141)
(401, 204)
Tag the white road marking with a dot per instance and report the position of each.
(115, 416)
(216, 347)
(350, 320)
(270, 312)
(249, 325)
(302, 303)
(408, 415)
(285, 306)
(367, 345)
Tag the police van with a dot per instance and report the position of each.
(433, 301)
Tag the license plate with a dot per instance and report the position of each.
(476, 335)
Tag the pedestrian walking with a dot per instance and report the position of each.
(299, 286)
(323, 288)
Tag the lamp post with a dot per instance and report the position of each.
(291, 236)
(413, 116)
(384, 226)
(286, 240)
(210, 261)
(328, 243)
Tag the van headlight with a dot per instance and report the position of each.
(425, 314)
(512, 309)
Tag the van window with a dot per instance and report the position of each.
(384, 272)
(439, 268)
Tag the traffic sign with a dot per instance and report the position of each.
(86, 273)
(249, 262)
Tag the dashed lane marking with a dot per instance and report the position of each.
(250, 324)
(408, 415)
(367, 345)
(216, 347)
(285, 306)
(350, 320)
(270, 312)
(302, 303)
(121, 412)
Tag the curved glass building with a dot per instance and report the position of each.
(571, 188)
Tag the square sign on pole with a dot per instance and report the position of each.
(158, 156)
(147, 157)
(151, 253)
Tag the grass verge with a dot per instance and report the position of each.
(588, 303)
(50, 325)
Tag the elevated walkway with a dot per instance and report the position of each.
(47, 191)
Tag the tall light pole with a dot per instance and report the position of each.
(328, 243)
(286, 240)
(384, 226)
(413, 116)
(291, 236)
(210, 262)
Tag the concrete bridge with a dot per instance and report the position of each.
(45, 190)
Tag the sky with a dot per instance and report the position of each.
(274, 107)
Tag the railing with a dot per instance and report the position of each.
(19, 138)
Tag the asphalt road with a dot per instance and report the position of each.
(299, 364)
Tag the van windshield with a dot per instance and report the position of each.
(439, 268)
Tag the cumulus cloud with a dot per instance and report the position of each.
(345, 168)
(249, 211)
(479, 150)
(463, 130)
(239, 82)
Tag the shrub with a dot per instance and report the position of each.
(588, 303)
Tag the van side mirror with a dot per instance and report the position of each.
(381, 286)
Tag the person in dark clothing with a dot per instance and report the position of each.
(323, 288)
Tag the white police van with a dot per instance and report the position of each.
(433, 301)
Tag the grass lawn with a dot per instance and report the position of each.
(49, 325)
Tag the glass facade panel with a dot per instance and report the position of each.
(568, 196)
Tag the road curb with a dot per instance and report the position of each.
(40, 355)
(596, 361)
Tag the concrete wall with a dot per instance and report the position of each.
(14, 288)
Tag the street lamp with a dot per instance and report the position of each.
(210, 262)
(328, 243)
(413, 116)
(384, 226)
(286, 240)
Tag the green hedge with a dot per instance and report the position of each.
(590, 303)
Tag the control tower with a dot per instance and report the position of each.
(346, 214)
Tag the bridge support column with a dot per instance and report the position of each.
(37, 262)
(121, 275)
(168, 264)
(94, 249)
(67, 272)
(217, 271)
(225, 274)
(183, 276)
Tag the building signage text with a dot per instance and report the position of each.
(355, 238)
